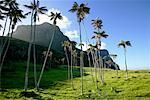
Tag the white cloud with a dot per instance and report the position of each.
(63, 24)
(72, 34)
(85, 47)
(103, 45)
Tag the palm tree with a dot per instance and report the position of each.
(95, 64)
(124, 44)
(97, 24)
(53, 17)
(15, 15)
(6, 7)
(98, 36)
(3, 8)
(81, 11)
(35, 10)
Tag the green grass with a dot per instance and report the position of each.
(55, 85)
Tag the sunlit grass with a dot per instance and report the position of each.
(56, 86)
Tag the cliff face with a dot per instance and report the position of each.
(43, 35)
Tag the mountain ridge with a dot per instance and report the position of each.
(43, 35)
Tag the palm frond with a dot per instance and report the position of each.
(81, 44)
(128, 43)
(59, 16)
(29, 7)
(93, 37)
(121, 43)
(26, 14)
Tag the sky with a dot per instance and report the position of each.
(122, 20)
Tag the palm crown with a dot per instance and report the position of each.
(34, 6)
(81, 10)
(124, 43)
(99, 35)
(97, 23)
(54, 17)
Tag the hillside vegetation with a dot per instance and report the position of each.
(55, 85)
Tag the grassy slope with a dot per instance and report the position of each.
(55, 85)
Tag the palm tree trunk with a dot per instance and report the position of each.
(5, 41)
(126, 63)
(81, 70)
(5, 26)
(65, 49)
(3, 58)
(90, 66)
(72, 70)
(95, 67)
(3, 46)
(28, 59)
(2, 39)
(100, 60)
(81, 61)
(45, 60)
(99, 65)
(34, 55)
(80, 36)
(6, 50)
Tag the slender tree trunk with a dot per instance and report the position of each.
(6, 50)
(100, 60)
(5, 26)
(3, 58)
(65, 49)
(28, 59)
(80, 36)
(34, 55)
(126, 63)
(81, 60)
(2, 39)
(90, 66)
(5, 41)
(95, 67)
(45, 60)
(81, 70)
(101, 72)
(72, 70)
(3, 46)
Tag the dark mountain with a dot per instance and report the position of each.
(43, 35)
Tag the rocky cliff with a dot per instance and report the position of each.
(43, 35)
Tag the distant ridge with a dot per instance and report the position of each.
(43, 35)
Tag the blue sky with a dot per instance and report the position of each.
(122, 19)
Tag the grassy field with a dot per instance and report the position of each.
(55, 86)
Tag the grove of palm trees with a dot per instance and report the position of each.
(39, 61)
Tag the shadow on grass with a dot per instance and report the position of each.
(13, 76)
(29, 94)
